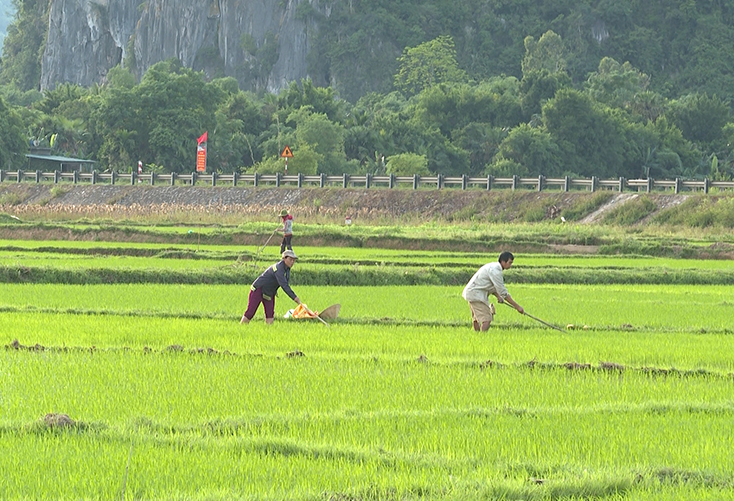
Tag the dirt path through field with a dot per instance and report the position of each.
(615, 202)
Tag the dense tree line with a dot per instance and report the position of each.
(435, 115)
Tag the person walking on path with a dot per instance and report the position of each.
(488, 280)
(264, 288)
(287, 230)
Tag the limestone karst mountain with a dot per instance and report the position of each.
(262, 41)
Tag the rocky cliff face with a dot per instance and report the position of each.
(262, 43)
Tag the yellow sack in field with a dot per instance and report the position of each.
(302, 311)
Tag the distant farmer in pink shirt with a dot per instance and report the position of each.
(287, 230)
(489, 280)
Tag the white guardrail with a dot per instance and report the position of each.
(415, 182)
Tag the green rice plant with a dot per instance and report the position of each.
(300, 426)
(155, 391)
(681, 330)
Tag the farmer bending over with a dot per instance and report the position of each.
(488, 280)
(263, 289)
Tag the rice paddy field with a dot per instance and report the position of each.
(113, 388)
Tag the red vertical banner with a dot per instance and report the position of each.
(201, 154)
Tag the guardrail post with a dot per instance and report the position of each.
(277, 179)
(439, 181)
(300, 179)
(490, 180)
(235, 176)
(677, 185)
(152, 178)
(706, 185)
(649, 184)
(214, 178)
(345, 180)
(567, 183)
(540, 182)
(391, 183)
(515, 182)
(621, 184)
(56, 177)
(256, 179)
(464, 179)
(594, 183)
(367, 180)
(322, 180)
(415, 181)
(173, 178)
(113, 175)
(133, 176)
(94, 176)
(76, 176)
(194, 175)
(2, 175)
(38, 176)
(20, 175)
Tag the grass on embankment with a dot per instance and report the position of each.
(361, 275)
(476, 236)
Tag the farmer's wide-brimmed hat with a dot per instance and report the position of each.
(284, 213)
(289, 253)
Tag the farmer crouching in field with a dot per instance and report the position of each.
(488, 280)
(263, 289)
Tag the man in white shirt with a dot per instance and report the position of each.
(488, 280)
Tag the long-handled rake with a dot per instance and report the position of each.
(267, 242)
(256, 257)
(539, 320)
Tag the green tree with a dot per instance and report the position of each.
(21, 62)
(54, 98)
(234, 142)
(13, 143)
(119, 150)
(481, 142)
(648, 105)
(320, 99)
(616, 85)
(66, 136)
(305, 161)
(699, 117)
(593, 140)
(537, 86)
(368, 139)
(666, 152)
(121, 78)
(428, 64)
(547, 53)
(532, 149)
(323, 136)
(407, 164)
(158, 120)
(450, 107)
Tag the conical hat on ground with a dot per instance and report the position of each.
(331, 312)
